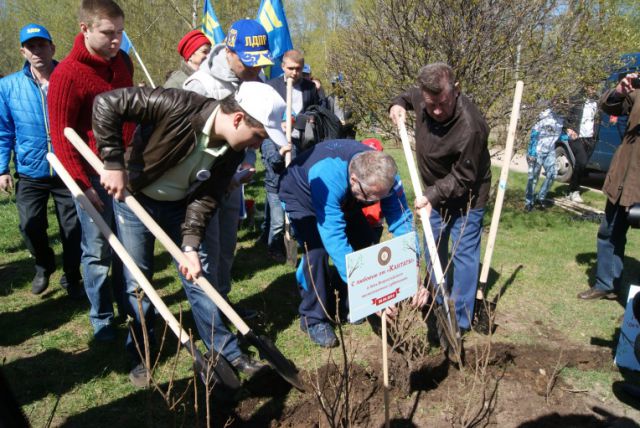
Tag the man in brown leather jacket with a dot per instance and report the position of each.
(455, 167)
(622, 188)
(179, 173)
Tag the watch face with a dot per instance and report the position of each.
(203, 175)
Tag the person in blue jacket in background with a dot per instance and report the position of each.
(24, 133)
(323, 191)
(542, 153)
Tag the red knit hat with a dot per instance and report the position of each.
(191, 42)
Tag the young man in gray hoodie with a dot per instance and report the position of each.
(240, 58)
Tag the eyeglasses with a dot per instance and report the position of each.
(364, 194)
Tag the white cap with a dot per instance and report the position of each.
(265, 105)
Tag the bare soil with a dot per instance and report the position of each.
(518, 386)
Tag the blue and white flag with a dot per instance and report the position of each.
(272, 17)
(126, 44)
(210, 24)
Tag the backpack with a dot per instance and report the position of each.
(320, 125)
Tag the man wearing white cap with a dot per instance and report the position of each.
(181, 181)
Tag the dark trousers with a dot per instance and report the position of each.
(317, 281)
(581, 148)
(612, 240)
(32, 196)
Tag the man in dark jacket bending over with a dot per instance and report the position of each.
(454, 164)
(179, 174)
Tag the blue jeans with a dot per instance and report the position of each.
(96, 260)
(314, 269)
(612, 239)
(219, 243)
(276, 225)
(139, 242)
(465, 231)
(548, 161)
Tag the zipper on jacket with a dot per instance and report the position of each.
(43, 101)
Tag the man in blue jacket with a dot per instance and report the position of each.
(323, 191)
(24, 132)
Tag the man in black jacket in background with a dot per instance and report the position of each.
(304, 94)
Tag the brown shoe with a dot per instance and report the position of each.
(595, 294)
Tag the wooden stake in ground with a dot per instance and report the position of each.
(385, 369)
(482, 324)
(290, 245)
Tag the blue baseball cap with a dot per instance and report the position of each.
(31, 31)
(248, 39)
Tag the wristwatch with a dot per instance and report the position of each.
(189, 249)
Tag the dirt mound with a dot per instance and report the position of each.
(505, 386)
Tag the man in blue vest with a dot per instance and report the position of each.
(24, 133)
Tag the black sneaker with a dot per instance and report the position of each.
(247, 365)
(138, 376)
(528, 208)
(543, 204)
(39, 283)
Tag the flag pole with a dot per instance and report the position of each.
(144, 69)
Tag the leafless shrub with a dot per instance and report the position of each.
(480, 388)
(407, 335)
(332, 384)
(553, 377)
(174, 399)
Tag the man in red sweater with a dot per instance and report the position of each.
(94, 65)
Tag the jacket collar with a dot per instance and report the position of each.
(26, 69)
(80, 53)
(199, 119)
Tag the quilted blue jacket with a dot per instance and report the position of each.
(24, 125)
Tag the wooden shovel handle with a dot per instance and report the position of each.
(287, 156)
(160, 235)
(117, 246)
(424, 218)
(426, 226)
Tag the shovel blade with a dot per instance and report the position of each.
(274, 357)
(484, 319)
(449, 334)
(291, 246)
(221, 371)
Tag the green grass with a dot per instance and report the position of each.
(541, 261)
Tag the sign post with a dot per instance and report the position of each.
(378, 277)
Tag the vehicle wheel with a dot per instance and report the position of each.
(564, 167)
